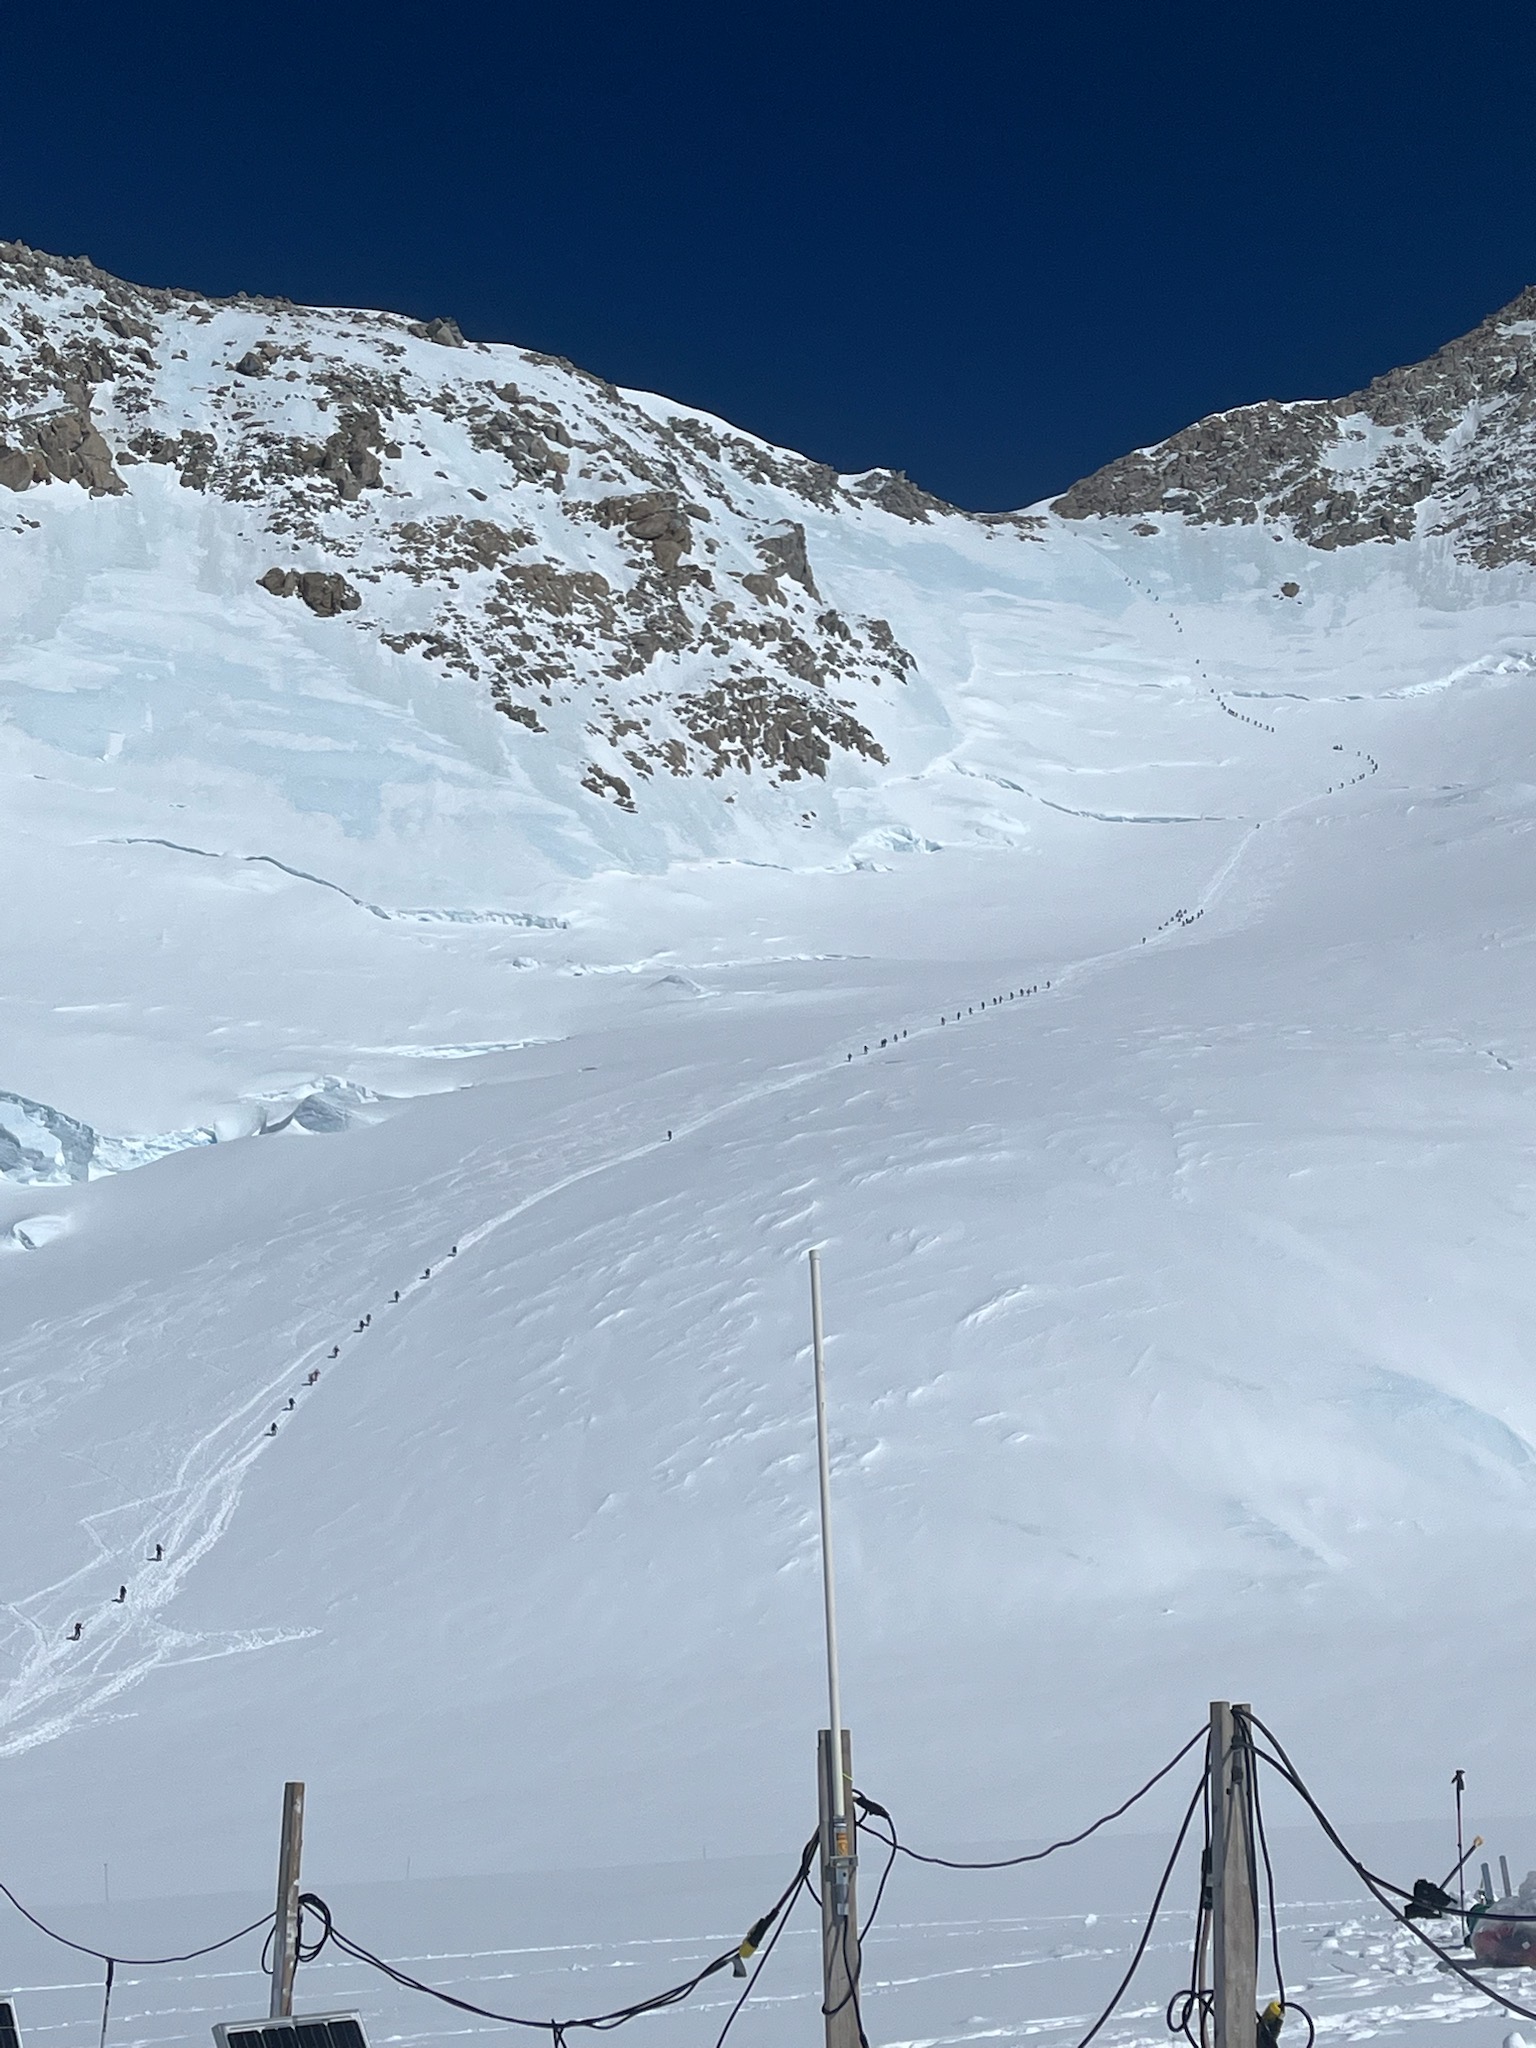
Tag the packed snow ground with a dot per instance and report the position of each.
(1152, 1061)
(953, 1958)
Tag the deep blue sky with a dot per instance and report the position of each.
(991, 244)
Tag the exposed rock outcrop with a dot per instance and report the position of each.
(785, 553)
(623, 583)
(64, 447)
(325, 592)
(443, 331)
(1446, 446)
(655, 518)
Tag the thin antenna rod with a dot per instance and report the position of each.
(838, 1807)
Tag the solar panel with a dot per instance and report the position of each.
(10, 2033)
(305, 2030)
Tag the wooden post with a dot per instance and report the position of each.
(839, 1927)
(1234, 1905)
(285, 1942)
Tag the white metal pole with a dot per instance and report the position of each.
(842, 1848)
(828, 1575)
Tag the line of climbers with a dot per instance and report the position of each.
(1181, 919)
(311, 1378)
(1011, 995)
(1372, 765)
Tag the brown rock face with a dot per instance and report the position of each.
(348, 457)
(603, 782)
(443, 331)
(753, 720)
(327, 594)
(63, 447)
(76, 453)
(785, 553)
(1446, 446)
(655, 518)
(324, 591)
(894, 491)
(629, 588)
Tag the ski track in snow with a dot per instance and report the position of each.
(62, 1684)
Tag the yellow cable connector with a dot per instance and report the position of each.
(750, 1941)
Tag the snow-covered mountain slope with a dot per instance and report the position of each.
(1146, 1036)
(555, 597)
(328, 633)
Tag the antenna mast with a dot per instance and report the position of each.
(841, 1844)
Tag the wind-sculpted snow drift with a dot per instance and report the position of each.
(640, 853)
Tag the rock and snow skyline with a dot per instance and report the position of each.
(623, 574)
(535, 818)
(443, 627)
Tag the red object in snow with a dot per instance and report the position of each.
(1508, 1944)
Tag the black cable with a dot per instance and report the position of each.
(1181, 2009)
(106, 2002)
(760, 1927)
(830, 2012)
(890, 1863)
(1287, 2005)
(751, 1984)
(1377, 1887)
(603, 2022)
(1038, 1855)
(854, 1975)
(853, 1970)
(130, 1962)
(1184, 2004)
(1269, 1885)
(870, 1807)
(1296, 2006)
(1287, 1770)
(1231, 1793)
(1146, 1933)
(301, 1953)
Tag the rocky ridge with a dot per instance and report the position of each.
(1442, 447)
(630, 591)
(632, 571)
